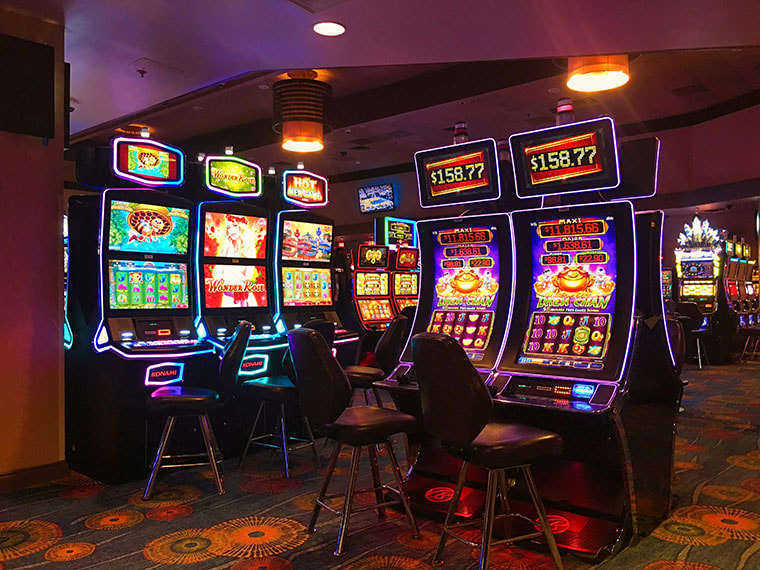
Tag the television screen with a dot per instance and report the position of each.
(377, 198)
(573, 293)
(234, 235)
(305, 241)
(372, 257)
(234, 286)
(304, 287)
(405, 284)
(466, 286)
(374, 310)
(371, 283)
(148, 228)
(141, 285)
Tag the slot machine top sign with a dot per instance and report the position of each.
(458, 174)
(304, 189)
(578, 157)
(231, 176)
(372, 257)
(148, 162)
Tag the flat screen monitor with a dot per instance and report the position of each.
(405, 284)
(144, 285)
(240, 286)
(234, 236)
(148, 228)
(306, 241)
(375, 310)
(306, 287)
(378, 198)
(371, 283)
(372, 257)
(407, 258)
(698, 269)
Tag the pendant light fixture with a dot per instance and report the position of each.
(597, 72)
(299, 111)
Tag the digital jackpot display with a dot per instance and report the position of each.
(372, 256)
(466, 286)
(304, 287)
(304, 189)
(234, 235)
(577, 157)
(148, 228)
(458, 174)
(148, 162)
(231, 176)
(396, 231)
(306, 241)
(141, 285)
(371, 283)
(572, 298)
(234, 286)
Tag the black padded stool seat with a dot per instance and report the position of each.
(182, 399)
(363, 376)
(271, 388)
(367, 425)
(508, 444)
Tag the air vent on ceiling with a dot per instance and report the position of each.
(317, 6)
(690, 90)
(392, 135)
(359, 147)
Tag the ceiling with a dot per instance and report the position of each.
(402, 74)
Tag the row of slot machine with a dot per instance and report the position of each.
(742, 283)
(157, 284)
(550, 305)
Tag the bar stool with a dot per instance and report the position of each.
(178, 401)
(281, 391)
(325, 394)
(457, 409)
(387, 352)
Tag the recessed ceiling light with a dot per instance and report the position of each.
(329, 29)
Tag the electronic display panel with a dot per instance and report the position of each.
(697, 288)
(234, 235)
(407, 258)
(404, 303)
(396, 231)
(148, 228)
(306, 241)
(374, 310)
(378, 198)
(466, 286)
(306, 287)
(732, 289)
(304, 189)
(371, 283)
(458, 174)
(405, 284)
(142, 285)
(692, 269)
(234, 286)
(148, 162)
(372, 257)
(577, 157)
(573, 293)
(232, 176)
(667, 283)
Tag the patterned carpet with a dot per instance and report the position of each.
(260, 522)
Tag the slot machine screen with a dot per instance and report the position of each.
(234, 236)
(148, 228)
(306, 287)
(405, 284)
(375, 310)
(466, 286)
(143, 285)
(697, 269)
(733, 290)
(573, 288)
(306, 241)
(234, 286)
(371, 283)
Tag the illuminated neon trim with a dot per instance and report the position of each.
(346, 339)
(180, 376)
(561, 193)
(386, 221)
(143, 141)
(295, 201)
(262, 368)
(495, 158)
(511, 294)
(228, 158)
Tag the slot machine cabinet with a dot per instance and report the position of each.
(405, 278)
(372, 287)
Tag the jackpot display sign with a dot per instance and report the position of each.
(304, 189)
(148, 228)
(233, 177)
(573, 293)
(306, 241)
(148, 162)
(234, 286)
(304, 287)
(140, 285)
(466, 286)
(234, 236)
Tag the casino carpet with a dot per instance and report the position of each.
(260, 522)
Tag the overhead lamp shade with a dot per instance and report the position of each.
(299, 113)
(597, 73)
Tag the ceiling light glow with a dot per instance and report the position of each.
(597, 73)
(329, 29)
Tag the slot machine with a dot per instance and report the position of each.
(667, 284)
(371, 287)
(405, 278)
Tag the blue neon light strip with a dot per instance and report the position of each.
(583, 391)
(147, 142)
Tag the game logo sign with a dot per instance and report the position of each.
(148, 228)
(573, 292)
(148, 162)
(372, 257)
(234, 235)
(233, 177)
(304, 189)
(466, 286)
(234, 286)
(407, 258)
(306, 287)
(305, 241)
(147, 285)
